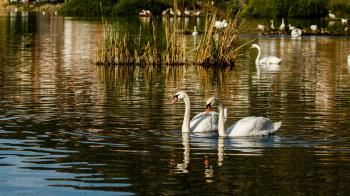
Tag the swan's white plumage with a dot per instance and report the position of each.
(248, 126)
(220, 24)
(253, 126)
(266, 60)
(203, 122)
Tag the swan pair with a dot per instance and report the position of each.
(248, 126)
(270, 60)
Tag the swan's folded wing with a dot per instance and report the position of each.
(204, 122)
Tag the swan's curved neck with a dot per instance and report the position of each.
(186, 121)
(257, 57)
(221, 123)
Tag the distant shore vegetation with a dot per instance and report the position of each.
(250, 8)
(296, 8)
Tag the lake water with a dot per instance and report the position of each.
(68, 127)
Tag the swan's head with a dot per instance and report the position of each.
(179, 96)
(255, 46)
(210, 103)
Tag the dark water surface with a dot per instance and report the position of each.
(70, 128)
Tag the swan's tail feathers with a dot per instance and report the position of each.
(276, 126)
(225, 114)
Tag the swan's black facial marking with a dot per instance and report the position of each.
(175, 99)
(208, 108)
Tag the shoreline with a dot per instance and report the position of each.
(50, 8)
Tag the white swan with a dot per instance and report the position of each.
(203, 122)
(220, 24)
(313, 28)
(296, 32)
(331, 15)
(291, 27)
(195, 32)
(270, 60)
(349, 60)
(261, 27)
(272, 26)
(248, 126)
(283, 26)
(344, 21)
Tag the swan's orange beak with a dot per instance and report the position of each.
(174, 100)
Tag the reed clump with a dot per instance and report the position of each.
(217, 47)
(120, 47)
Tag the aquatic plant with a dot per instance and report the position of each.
(217, 47)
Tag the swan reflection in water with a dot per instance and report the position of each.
(243, 146)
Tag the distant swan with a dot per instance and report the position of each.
(291, 27)
(266, 60)
(272, 26)
(349, 60)
(331, 15)
(261, 27)
(313, 28)
(296, 32)
(220, 24)
(203, 122)
(195, 32)
(344, 20)
(248, 126)
(283, 26)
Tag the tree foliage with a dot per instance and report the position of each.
(253, 8)
(295, 8)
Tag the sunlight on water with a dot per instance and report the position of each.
(70, 127)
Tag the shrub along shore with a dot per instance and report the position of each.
(250, 8)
